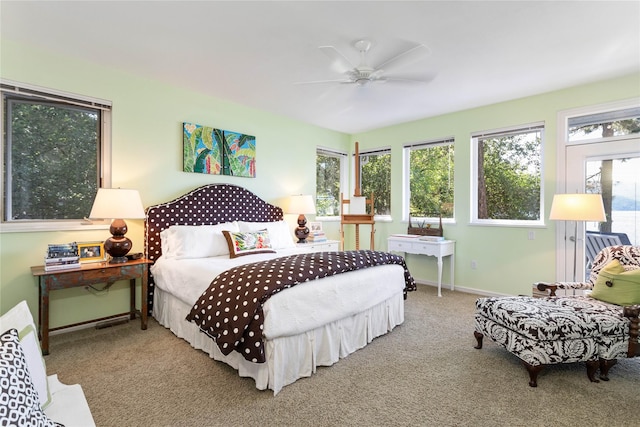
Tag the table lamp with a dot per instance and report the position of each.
(117, 204)
(577, 207)
(302, 204)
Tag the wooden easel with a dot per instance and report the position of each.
(357, 218)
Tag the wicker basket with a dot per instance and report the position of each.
(429, 230)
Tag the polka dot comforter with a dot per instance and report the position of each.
(230, 310)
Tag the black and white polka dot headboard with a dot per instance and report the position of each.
(206, 205)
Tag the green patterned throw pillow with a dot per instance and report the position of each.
(617, 286)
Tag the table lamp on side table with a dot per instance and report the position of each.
(302, 204)
(117, 204)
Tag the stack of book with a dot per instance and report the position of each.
(61, 257)
(316, 236)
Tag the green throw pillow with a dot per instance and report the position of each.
(617, 286)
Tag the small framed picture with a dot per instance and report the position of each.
(315, 226)
(91, 251)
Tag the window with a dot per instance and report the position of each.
(331, 172)
(507, 166)
(625, 121)
(618, 181)
(55, 152)
(601, 147)
(428, 175)
(375, 177)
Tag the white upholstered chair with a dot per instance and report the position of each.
(29, 396)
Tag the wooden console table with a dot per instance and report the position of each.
(414, 245)
(86, 275)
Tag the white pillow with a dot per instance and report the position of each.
(165, 243)
(19, 318)
(279, 232)
(196, 241)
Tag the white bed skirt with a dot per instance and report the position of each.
(293, 357)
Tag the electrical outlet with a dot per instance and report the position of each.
(532, 235)
(474, 264)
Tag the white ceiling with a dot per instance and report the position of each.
(252, 52)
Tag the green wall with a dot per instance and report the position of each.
(507, 261)
(147, 155)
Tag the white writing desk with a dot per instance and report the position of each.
(413, 245)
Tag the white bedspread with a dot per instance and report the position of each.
(301, 308)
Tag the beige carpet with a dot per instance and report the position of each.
(425, 372)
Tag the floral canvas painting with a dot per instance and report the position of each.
(214, 151)
(202, 149)
(240, 150)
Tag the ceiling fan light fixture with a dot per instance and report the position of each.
(364, 74)
(362, 45)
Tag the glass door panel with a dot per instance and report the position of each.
(618, 180)
(612, 169)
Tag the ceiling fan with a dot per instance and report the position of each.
(365, 74)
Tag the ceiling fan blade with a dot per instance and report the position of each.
(406, 80)
(405, 58)
(323, 81)
(338, 61)
(419, 79)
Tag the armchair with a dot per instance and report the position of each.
(629, 258)
(550, 330)
(628, 255)
(596, 241)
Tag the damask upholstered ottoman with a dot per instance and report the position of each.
(543, 331)
(618, 327)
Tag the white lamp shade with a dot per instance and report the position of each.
(112, 203)
(301, 204)
(577, 207)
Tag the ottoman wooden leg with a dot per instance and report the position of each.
(605, 365)
(592, 368)
(479, 337)
(533, 373)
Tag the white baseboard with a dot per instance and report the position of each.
(457, 288)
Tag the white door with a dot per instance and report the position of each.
(585, 165)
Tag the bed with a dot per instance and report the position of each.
(312, 324)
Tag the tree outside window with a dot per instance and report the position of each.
(330, 171)
(431, 179)
(508, 175)
(375, 178)
(52, 152)
(616, 179)
(605, 125)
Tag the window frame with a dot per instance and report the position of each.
(406, 177)
(564, 117)
(38, 93)
(563, 184)
(344, 170)
(519, 129)
(376, 151)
